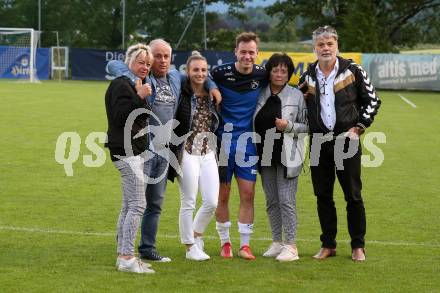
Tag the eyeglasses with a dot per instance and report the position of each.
(322, 85)
(325, 30)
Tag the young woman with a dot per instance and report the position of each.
(281, 113)
(121, 99)
(198, 119)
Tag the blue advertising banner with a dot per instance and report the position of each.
(214, 58)
(403, 71)
(89, 64)
(14, 62)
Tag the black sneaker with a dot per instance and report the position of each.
(154, 256)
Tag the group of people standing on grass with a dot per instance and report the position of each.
(203, 129)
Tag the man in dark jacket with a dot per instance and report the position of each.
(341, 103)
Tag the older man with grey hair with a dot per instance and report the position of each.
(341, 103)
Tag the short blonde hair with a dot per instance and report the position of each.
(134, 51)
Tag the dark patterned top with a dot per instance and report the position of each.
(198, 142)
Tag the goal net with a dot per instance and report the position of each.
(18, 48)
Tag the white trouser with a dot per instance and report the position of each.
(198, 171)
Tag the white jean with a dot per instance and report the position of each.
(198, 172)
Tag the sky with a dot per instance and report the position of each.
(223, 7)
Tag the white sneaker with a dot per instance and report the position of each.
(274, 249)
(288, 253)
(199, 242)
(194, 253)
(133, 265)
(118, 261)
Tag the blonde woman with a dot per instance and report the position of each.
(121, 99)
(198, 118)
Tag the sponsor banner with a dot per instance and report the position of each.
(14, 62)
(302, 61)
(89, 64)
(214, 59)
(403, 71)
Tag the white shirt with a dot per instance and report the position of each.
(327, 96)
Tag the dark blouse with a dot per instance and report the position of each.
(265, 120)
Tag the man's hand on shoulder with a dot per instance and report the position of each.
(216, 95)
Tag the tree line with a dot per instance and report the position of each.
(363, 25)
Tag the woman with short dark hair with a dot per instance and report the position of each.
(280, 120)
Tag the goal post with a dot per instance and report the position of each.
(18, 50)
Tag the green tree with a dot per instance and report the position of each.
(222, 39)
(173, 16)
(361, 13)
(80, 23)
(397, 22)
(98, 23)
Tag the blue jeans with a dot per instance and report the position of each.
(154, 168)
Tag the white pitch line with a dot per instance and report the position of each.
(170, 236)
(407, 101)
(50, 231)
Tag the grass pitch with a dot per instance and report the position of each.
(57, 233)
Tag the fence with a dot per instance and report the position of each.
(387, 71)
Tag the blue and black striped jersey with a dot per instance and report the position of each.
(239, 96)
